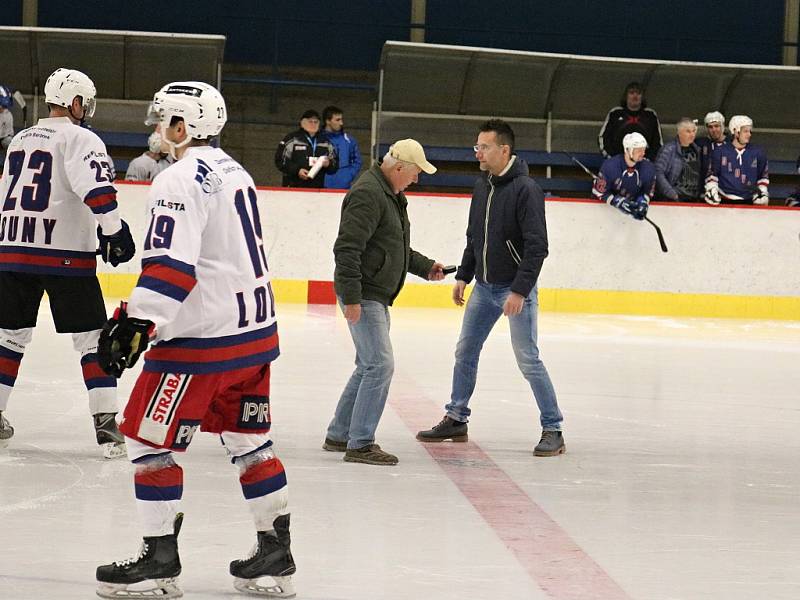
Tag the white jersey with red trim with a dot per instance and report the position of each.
(57, 187)
(204, 281)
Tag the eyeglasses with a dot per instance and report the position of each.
(485, 147)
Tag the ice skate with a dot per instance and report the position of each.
(108, 436)
(271, 557)
(6, 431)
(155, 568)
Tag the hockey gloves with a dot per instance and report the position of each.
(712, 194)
(761, 198)
(622, 203)
(117, 248)
(122, 341)
(637, 208)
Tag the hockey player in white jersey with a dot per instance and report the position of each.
(57, 201)
(150, 163)
(204, 302)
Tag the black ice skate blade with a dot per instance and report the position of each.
(283, 588)
(160, 589)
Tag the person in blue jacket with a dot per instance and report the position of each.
(346, 149)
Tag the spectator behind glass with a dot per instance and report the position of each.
(631, 116)
(679, 174)
(151, 162)
(6, 120)
(346, 150)
(299, 151)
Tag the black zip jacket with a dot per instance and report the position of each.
(293, 153)
(507, 232)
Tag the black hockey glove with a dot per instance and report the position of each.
(122, 340)
(117, 248)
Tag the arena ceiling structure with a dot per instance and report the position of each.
(124, 65)
(556, 102)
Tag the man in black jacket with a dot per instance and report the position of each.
(298, 153)
(506, 247)
(632, 115)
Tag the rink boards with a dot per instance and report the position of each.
(722, 261)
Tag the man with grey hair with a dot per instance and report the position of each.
(373, 255)
(679, 173)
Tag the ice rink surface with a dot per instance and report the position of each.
(680, 480)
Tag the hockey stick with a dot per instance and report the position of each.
(661, 241)
(24, 106)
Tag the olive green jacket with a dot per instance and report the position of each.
(372, 251)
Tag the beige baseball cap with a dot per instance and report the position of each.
(411, 151)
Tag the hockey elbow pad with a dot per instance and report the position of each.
(118, 248)
(122, 340)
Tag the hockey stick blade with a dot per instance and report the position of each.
(660, 235)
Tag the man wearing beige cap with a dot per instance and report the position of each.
(373, 255)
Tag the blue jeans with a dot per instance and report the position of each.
(361, 404)
(484, 308)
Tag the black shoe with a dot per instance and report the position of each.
(551, 444)
(157, 561)
(334, 446)
(447, 429)
(271, 557)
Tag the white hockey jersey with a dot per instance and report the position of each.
(204, 281)
(55, 190)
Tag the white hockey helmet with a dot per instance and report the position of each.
(633, 140)
(64, 85)
(154, 142)
(714, 117)
(199, 104)
(739, 121)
